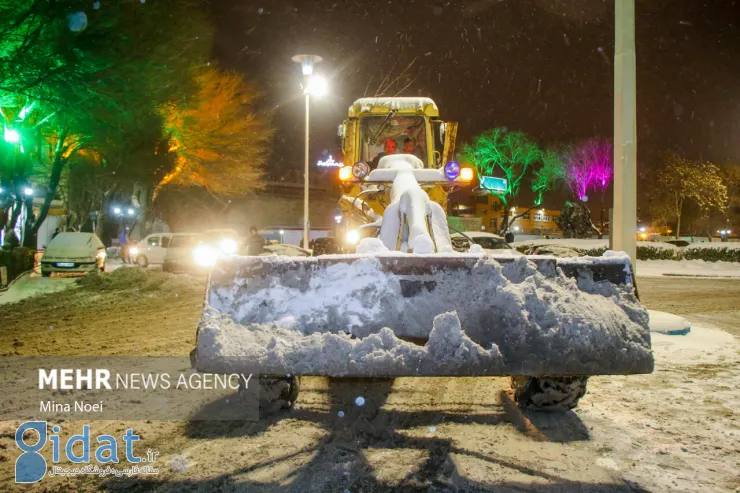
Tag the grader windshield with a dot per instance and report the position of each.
(391, 134)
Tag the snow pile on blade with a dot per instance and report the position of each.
(346, 315)
(409, 200)
(273, 350)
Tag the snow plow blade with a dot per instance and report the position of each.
(423, 315)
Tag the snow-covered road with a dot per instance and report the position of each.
(676, 430)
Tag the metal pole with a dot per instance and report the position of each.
(305, 185)
(625, 130)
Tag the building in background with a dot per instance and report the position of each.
(539, 221)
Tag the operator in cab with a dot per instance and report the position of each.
(410, 147)
(390, 147)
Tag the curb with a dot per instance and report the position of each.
(679, 332)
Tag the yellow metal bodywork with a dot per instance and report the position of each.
(375, 196)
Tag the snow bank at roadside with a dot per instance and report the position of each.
(730, 245)
(697, 268)
(588, 244)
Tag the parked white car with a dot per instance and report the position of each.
(73, 252)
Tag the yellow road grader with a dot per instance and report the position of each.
(409, 126)
(406, 303)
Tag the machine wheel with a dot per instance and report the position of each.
(548, 393)
(142, 261)
(276, 393)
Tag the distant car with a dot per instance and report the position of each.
(354, 236)
(226, 240)
(286, 250)
(179, 256)
(73, 252)
(189, 252)
(327, 245)
(488, 241)
(554, 250)
(151, 249)
(678, 243)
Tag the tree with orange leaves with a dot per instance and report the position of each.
(220, 141)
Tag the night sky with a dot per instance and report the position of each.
(541, 66)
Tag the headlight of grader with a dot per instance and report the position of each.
(360, 170)
(353, 236)
(205, 256)
(345, 173)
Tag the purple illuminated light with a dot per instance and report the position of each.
(452, 170)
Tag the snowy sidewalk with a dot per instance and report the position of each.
(32, 284)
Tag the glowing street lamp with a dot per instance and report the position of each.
(307, 62)
(313, 86)
(317, 86)
(11, 136)
(27, 191)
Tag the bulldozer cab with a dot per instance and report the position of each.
(379, 126)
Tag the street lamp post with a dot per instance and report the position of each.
(625, 131)
(312, 85)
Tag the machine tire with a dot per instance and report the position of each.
(548, 393)
(278, 393)
(142, 261)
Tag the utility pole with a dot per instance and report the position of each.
(625, 130)
(306, 227)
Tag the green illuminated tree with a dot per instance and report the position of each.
(516, 157)
(549, 175)
(89, 75)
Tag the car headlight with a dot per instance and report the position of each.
(205, 256)
(134, 251)
(353, 237)
(100, 255)
(229, 246)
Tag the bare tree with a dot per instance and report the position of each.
(681, 181)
